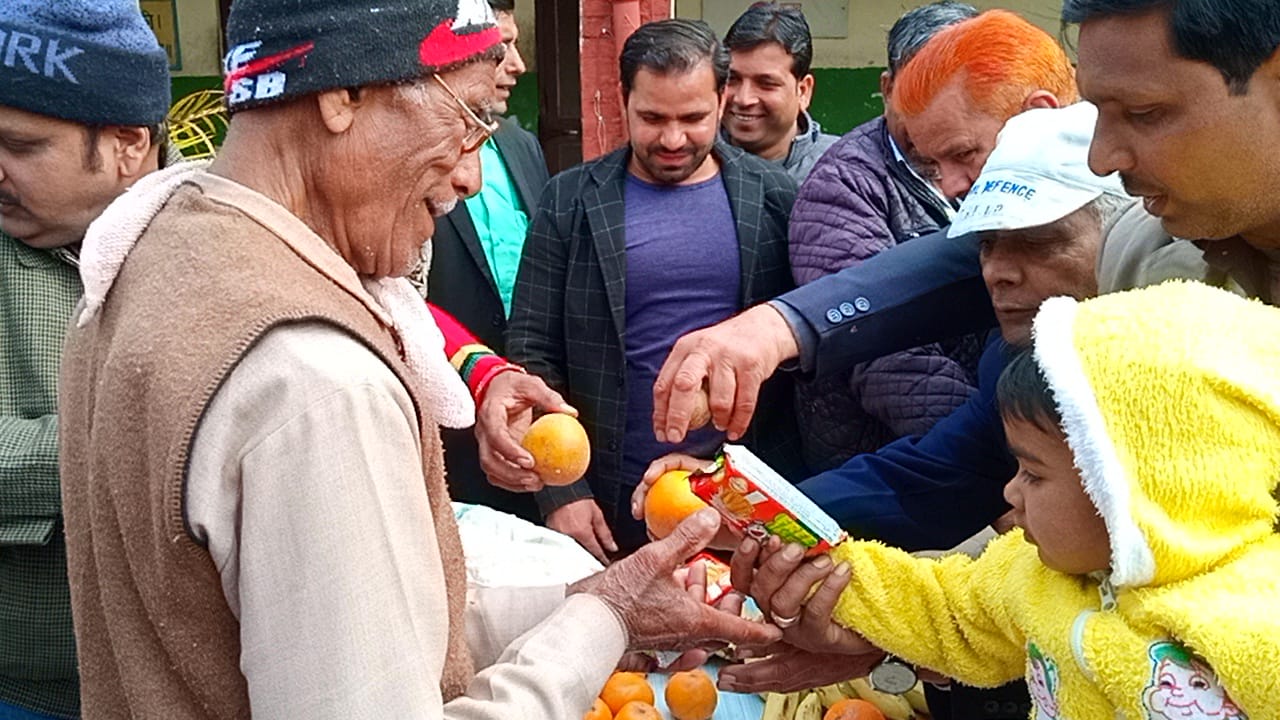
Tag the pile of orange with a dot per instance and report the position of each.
(668, 501)
(560, 448)
(690, 695)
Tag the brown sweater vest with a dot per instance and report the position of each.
(156, 638)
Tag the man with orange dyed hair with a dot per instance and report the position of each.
(958, 91)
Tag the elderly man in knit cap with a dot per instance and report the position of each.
(257, 519)
(72, 138)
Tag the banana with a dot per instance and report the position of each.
(894, 707)
(915, 697)
(781, 706)
(774, 705)
(810, 708)
(829, 695)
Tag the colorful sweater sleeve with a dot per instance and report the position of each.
(946, 614)
(473, 360)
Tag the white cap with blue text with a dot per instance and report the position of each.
(1037, 174)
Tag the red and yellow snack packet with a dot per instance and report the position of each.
(759, 502)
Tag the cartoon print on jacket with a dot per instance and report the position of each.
(1042, 681)
(1184, 686)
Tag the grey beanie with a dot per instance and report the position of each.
(283, 50)
(94, 62)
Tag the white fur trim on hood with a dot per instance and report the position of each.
(1132, 560)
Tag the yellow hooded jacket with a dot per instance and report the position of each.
(1170, 401)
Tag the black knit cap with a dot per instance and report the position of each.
(94, 62)
(283, 49)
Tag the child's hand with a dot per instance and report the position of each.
(798, 596)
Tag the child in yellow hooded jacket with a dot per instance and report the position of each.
(1143, 581)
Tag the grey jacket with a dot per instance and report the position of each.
(807, 147)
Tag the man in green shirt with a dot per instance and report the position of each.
(83, 94)
(476, 252)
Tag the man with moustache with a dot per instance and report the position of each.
(770, 88)
(475, 254)
(628, 251)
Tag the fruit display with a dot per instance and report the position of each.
(560, 448)
(850, 700)
(687, 695)
(668, 501)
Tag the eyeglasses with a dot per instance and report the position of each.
(480, 129)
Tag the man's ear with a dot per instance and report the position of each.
(886, 86)
(131, 147)
(805, 88)
(1041, 99)
(338, 108)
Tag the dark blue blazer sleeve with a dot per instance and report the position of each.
(912, 294)
(933, 491)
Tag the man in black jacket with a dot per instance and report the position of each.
(476, 252)
(629, 251)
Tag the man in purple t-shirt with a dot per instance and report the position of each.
(627, 252)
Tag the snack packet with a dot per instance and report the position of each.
(759, 502)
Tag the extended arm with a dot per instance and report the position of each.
(930, 491)
(948, 615)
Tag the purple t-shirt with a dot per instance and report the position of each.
(683, 273)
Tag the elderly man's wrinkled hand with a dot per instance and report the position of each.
(798, 595)
(791, 668)
(659, 608)
(501, 422)
(731, 359)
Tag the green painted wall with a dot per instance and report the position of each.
(845, 97)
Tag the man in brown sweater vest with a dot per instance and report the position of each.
(257, 520)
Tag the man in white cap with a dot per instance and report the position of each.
(257, 519)
(1039, 214)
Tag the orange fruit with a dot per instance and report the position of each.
(636, 710)
(599, 711)
(559, 447)
(669, 501)
(853, 709)
(624, 687)
(691, 695)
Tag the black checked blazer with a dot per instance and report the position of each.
(568, 319)
(461, 283)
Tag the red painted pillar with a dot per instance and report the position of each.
(606, 24)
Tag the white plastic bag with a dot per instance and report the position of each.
(504, 550)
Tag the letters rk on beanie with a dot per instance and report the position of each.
(94, 62)
(283, 50)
